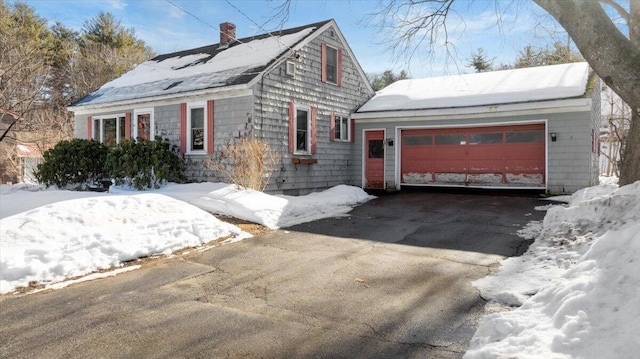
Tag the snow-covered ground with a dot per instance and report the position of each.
(573, 294)
(577, 288)
(49, 235)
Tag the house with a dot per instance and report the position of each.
(294, 88)
(29, 156)
(531, 128)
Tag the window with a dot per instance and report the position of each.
(196, 127)
(143, 124)
(109, 130)
(417, 140)
(485, 138)
(525, 136)
(453, 139)
(331, 66)
(302, 130)
(341, 128)
(376, 149)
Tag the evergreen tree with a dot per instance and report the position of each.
(480, 62)
(380, 81)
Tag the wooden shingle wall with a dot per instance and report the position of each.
(335, 159)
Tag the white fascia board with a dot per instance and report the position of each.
(533, 108)
(208, 94)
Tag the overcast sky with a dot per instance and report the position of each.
(173, 25)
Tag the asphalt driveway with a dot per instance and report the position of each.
(393, 279)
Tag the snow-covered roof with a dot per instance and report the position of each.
(481, 89)
(202, 68)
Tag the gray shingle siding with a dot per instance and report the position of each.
(274, 91)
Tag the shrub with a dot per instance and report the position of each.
(145, 164)
(247, 162)
(73, 162)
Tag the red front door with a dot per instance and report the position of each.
(374, 159)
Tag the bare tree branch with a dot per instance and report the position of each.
(619, 9)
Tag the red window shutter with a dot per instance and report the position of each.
(89, 128)
(127, 126)
(292, 118)
(210, 126)
(323, 62)
(353, 130)
(314, 143)
(332, 126)
(183, 128)
(339, 82)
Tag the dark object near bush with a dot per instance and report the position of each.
(74, 162)
(145, 164)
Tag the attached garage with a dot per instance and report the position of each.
(521, 129)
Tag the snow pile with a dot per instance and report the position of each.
(75, 237)
(51, 235)
(584, 274)
(272, 211)
(485, 88)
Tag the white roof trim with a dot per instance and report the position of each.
(543, 107)
(214, 94)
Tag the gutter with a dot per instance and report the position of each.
(221, 92)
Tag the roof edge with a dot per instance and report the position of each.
(560, 105)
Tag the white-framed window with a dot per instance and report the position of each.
(302, 130)
(196, 127)
(331, 66)
(109, 129)
(143, 124)
(341, 128)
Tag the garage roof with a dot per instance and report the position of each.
(481, 89)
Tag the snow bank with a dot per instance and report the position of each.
(75, 237)
(50, 235)
(269, 210)
(584, 274)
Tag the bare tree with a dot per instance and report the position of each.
(615, 121)
(612, 55)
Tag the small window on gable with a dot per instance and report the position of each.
(341, 126)
(302, 130)
(143, 124)
(331, 66)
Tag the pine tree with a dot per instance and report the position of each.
(480, 62)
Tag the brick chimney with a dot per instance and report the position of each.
(227, 33)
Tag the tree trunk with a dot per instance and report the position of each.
(630, 170)
(613, 56)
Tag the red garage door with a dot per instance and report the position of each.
(479, 156)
